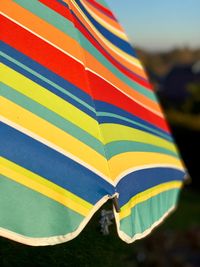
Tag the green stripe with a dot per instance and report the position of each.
(29, 213)
(49, 16)
(121, 132)
(51, 117)
(146, 213)
(118, 147)
(59, 88)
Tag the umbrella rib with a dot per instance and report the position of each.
(71, 5)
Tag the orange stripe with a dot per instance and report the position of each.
(41, 27)
(97, 67)
(93, 64)
(120, 59)
(71, 46)
(102, 16)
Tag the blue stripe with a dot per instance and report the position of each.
(116, 62)
(50, 164)
(51, 76)
(106, 107)
(63, 3)
(141, 180)
(120, 43)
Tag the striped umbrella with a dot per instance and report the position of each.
(80, 124)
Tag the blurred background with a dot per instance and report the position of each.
(166, 35)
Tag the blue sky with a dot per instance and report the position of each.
(160, 24)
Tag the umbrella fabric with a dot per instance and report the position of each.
(80, 124)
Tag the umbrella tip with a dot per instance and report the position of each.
(116, 203)
(187, 179)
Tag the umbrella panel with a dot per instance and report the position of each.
(80, 124)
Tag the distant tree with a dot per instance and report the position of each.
(192, 104)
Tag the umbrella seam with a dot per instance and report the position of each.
(71, 2)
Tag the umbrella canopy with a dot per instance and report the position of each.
(80, 124)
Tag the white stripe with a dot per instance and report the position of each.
(138, 102)
(55, 147)
(57, 47)
(129, 239)
(31, 241)
(111, 28)
(132, 60)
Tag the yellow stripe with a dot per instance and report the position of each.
(147, 194)
(108, 26)
(44, 97)
(130, 160)
(52, 136)
(118, 51)
(43, 186)
(115, 132)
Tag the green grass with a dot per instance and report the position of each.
(91, 248)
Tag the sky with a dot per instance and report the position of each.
(159, 24)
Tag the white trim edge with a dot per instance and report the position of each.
(54, 240)
(129, 239)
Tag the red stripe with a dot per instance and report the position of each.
(120, 67)
(59, 8)
(103, 91)
(102, 8)
(71, 70)
(65, 12)
(42, 52)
